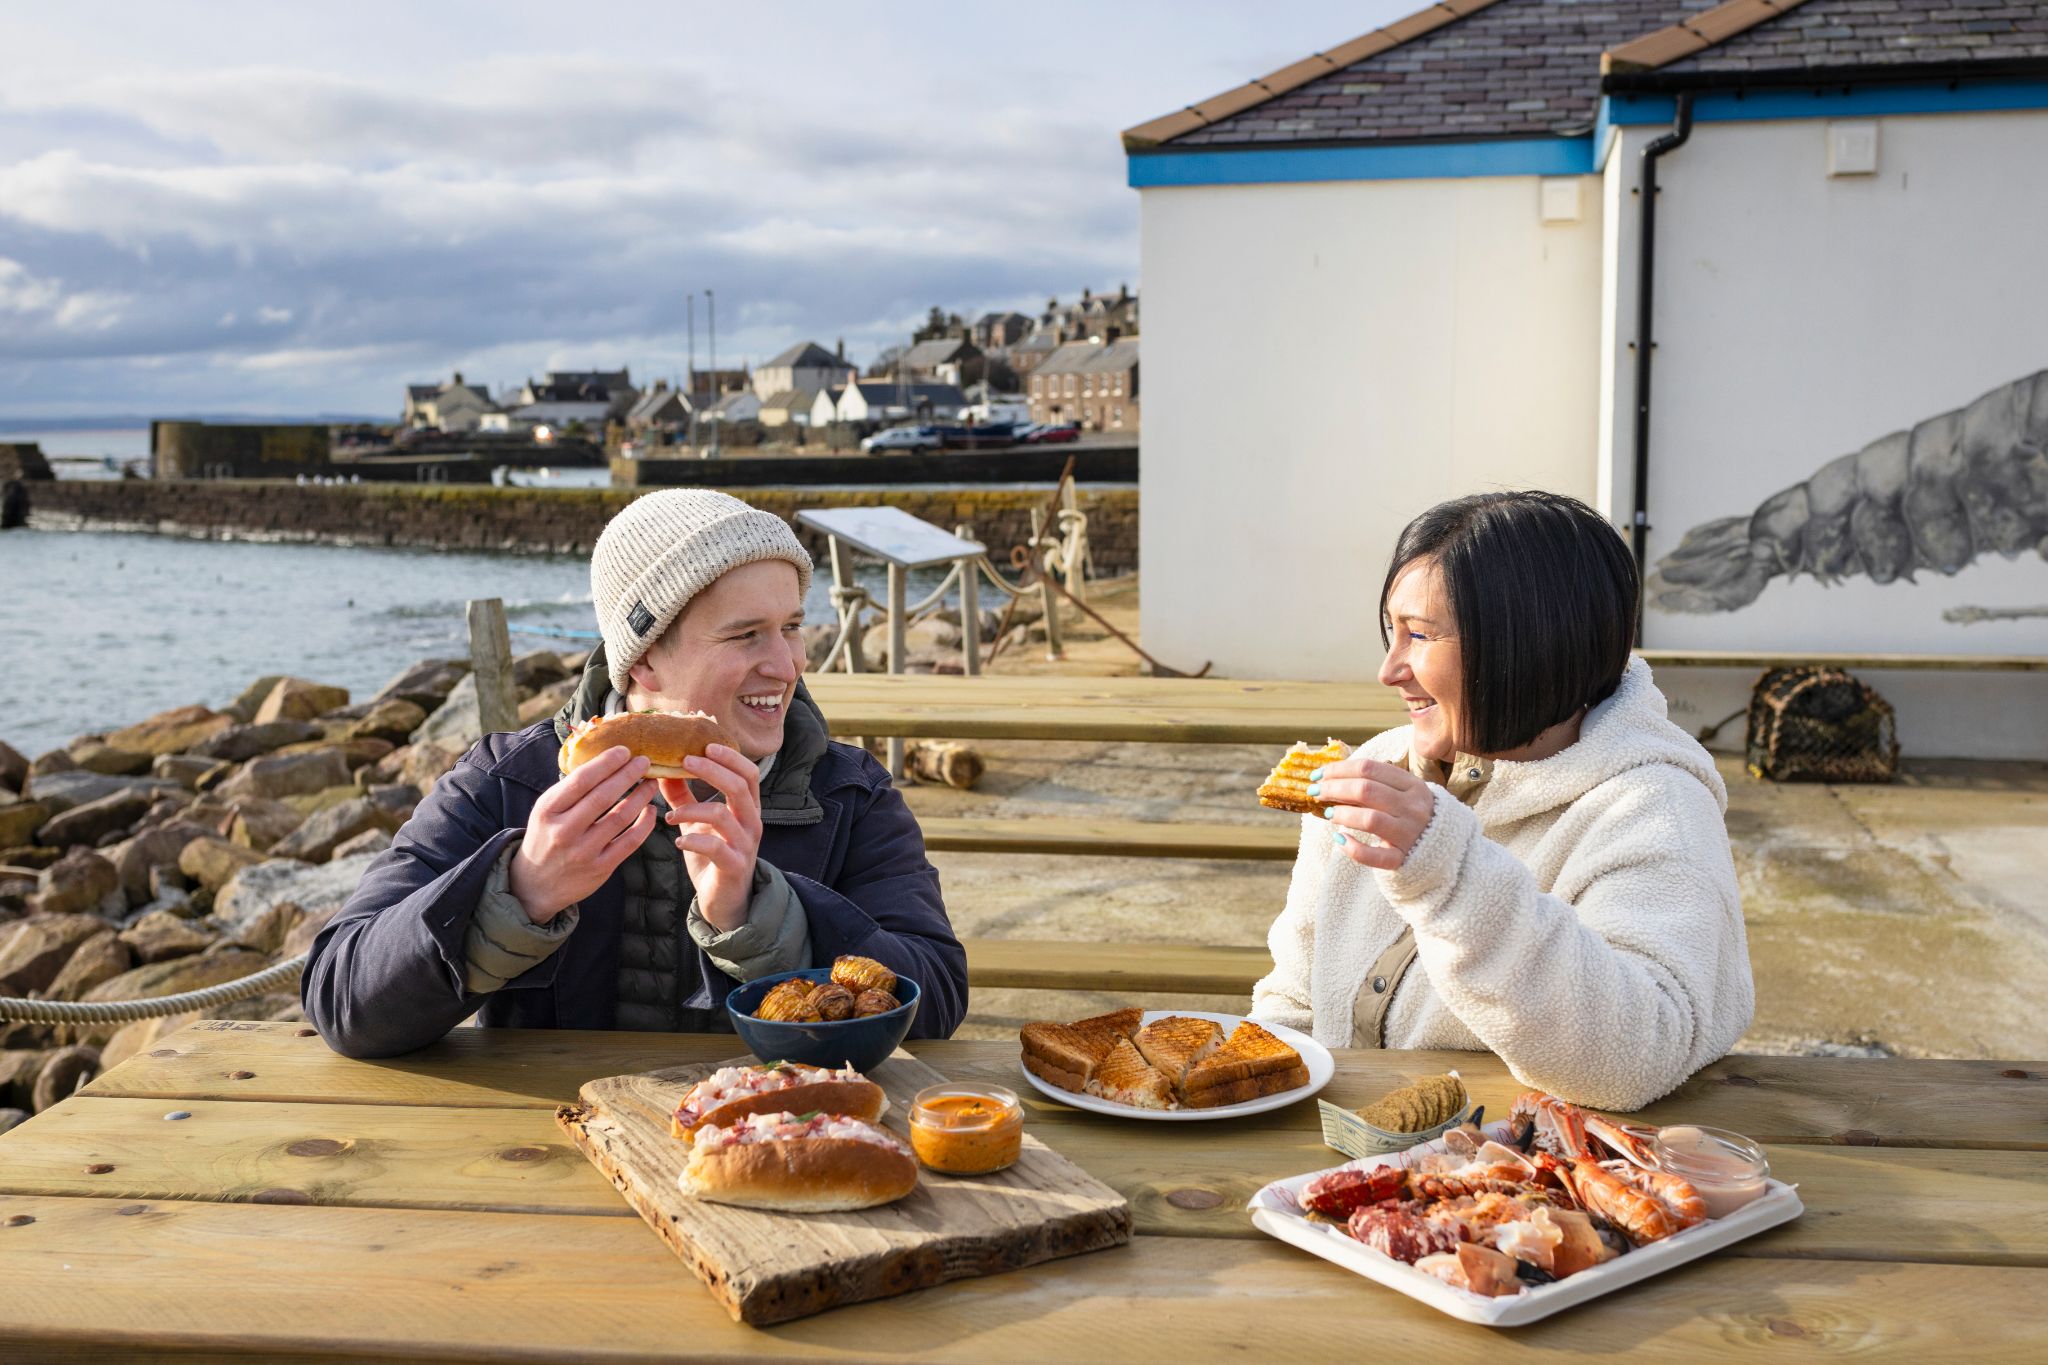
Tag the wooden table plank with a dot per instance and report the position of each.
(87, 1275)
(1900, 1101)
(1163, 725)
(1741, 658)
(1920, 1204)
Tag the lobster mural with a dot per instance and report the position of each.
(1935, 497)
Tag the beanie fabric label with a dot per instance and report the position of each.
(641, 620)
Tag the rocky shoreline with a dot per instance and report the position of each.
(201, 846)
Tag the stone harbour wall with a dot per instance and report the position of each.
(533, 521)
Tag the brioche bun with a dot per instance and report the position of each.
(801, 1175)
(663, 738)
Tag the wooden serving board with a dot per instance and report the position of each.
(773, 1267)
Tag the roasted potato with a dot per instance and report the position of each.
(874, 1002)
(789, 1002)
(832, 1001)
(859, 974)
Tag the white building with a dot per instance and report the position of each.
(886, 400)
(1408, 285)
(805, 365)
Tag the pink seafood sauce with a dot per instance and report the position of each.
(1726, 1168)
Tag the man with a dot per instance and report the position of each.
(601, 899)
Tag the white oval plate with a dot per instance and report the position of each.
(1321, 1067)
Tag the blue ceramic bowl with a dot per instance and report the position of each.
(859, 1043)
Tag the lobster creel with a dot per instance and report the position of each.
(1820, 725)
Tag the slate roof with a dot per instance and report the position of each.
(1834, 33)
(926, 354)
(1085, 357)
(652, 402)
(805, 355)
(791, 400)
(1514, 68)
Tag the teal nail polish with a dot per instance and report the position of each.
(1338, 834)
(1314, 790)
(1316, 776)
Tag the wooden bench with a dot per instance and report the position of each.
(1271, 842)
(1169, 968)
(1736, 658)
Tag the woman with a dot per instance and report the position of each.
(1537, 865)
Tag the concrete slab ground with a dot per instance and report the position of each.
(1908, 919)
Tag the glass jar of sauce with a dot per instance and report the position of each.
(1728, 1169)
(966, 1129)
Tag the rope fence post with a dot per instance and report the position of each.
(490, 659)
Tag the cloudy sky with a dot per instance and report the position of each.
(288, 209)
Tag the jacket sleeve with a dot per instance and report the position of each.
(884, 904)
(1282, 996)
(1613, 992)
(387, 975)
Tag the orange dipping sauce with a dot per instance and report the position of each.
(964, 1130)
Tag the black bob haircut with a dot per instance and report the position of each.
(1544, 594)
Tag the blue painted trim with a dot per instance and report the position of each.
(1400, 161)
(1863, 101)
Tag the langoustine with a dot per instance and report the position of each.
(1957, 485)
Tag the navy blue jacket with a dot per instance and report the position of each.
(386, 974)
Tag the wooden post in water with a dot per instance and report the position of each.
(490, 658)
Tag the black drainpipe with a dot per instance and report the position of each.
(1646, 263)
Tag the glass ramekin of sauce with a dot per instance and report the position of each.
(966, 1129)
(1728, 1169)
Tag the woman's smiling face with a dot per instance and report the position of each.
(1424, 661)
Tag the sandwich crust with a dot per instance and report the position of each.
(663, 738)
(801, 1175)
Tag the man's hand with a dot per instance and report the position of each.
(1368, 797)
(720, 840)
(580, 830)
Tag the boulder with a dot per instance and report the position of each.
(61, 791)
(300, 939)
(18, 1068)
(281, 775)
(455, 723)
(259, 824)
(55, 761)
(183, 769)
(137, 857)
(543, 704)
(532, 672)
(92, 821)
(79, 882)
(354, 752)
(97, 756)
(100, 958)
(167, 807)
(315, 841)
(314, 888)
(312, 803)
(213, 862)
(369, 841)
(171, 732)
(243, 708)
(13, 767)
(427, 683)
(297, 699)
(267, 932)
(29, 855)
(61, 1073)
(14, 894)
(425, 765)
(12, 1118)
(34, 950)
(166, 878)
(393, 718)
(162, 935)
(218, 816)
(19, 820)
(399, 798)
(244, 742)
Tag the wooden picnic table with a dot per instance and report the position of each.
(313, 1207)
(1048, 706)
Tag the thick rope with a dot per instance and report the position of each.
(128, 1011)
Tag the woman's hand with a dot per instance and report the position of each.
(1365, 796)
(580, 830)
(720, 840)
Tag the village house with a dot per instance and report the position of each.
(887, 400)
(825, 406)
(947, 360)
(454, 406)
(805, 365)
(613, 388)
(791, 407)
(998, 331)
(1444, 276)
(741, 405)
(706, 387)
(660, 408)
(1091, 384)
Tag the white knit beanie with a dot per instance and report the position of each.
(663, 550)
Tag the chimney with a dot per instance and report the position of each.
(1123, 293)
(458, 379)
(1085, 295)
(839, 351)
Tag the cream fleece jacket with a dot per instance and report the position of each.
(1580, 919)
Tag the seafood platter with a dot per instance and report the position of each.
(1506, 1224)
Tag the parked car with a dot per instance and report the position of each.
(1052, 436)
(900, 438)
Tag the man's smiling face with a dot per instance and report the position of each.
(736, 653)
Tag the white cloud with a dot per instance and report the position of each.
(34, 298)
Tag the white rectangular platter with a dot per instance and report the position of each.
(1276, 1211)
